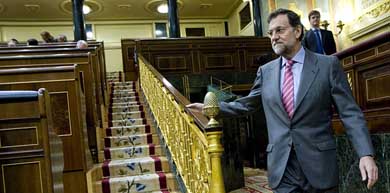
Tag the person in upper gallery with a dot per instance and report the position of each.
(61, 38)
(12, 42)
(82, 44)
(297, 91)
(32, 42)
(47, 37)
(318, 40)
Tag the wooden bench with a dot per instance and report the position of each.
(99, 46)
(83, 60)
(96, 63)
(31, 156)
(68, 112)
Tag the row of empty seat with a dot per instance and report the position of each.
(73, 87)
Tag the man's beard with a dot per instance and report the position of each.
(279, 48)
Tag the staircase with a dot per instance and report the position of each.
(133, 160)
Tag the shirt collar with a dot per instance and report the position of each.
(314, 29)
(298, 58)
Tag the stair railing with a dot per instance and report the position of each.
(194, 144)
(186, 86)
(221, 85)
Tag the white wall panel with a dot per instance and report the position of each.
(23, 33)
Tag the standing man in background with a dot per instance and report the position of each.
(297, 91)
(318, 40)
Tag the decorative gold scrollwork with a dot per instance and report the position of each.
(349, 78)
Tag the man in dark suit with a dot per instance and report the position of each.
(297, 91)
(318, 40)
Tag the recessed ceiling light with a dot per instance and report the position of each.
(86, 9)
(163, 8)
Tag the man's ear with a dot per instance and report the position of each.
(298, 31)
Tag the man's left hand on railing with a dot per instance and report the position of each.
(196, 107)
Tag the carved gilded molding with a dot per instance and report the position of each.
(377, 11)
(372, 19)
(370, 28)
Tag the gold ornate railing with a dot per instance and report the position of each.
(186, 86)
(197, 159)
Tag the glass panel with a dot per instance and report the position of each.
(195, 32)
(245, 16)
(161, 30)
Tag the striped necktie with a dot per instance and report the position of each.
(288, 89)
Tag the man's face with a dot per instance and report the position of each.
(315, 20)
(283, 36)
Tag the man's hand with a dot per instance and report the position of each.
(197, 107)
(368, 169)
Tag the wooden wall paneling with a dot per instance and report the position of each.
(172, 62)
(374, 87)
(205, 54)
(368, 63)
(216, 60)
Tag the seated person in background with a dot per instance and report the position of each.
(32, 42)
(82, 44)
(47, 37)
(12, 42)
(62, 38)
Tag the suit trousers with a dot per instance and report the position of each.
(294, 180)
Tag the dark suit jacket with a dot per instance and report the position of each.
(323, 84)
(328, 43)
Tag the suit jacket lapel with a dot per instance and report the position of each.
(309, 72)
(323, 34)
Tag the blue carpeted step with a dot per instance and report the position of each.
(142, 183)
(124, 99)
(129, 130)
(134, 162)
(122, 109)
(133, 140)
(126, 115)
(127, 122)
(132, 151)
(135, 166)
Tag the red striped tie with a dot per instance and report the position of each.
(288, 89)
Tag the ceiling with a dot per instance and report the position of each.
(60, 10)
